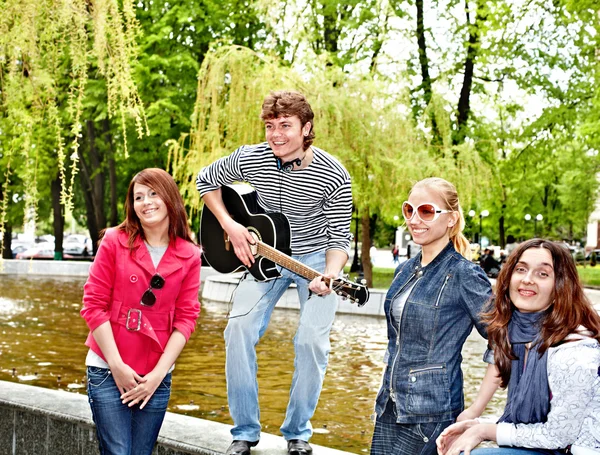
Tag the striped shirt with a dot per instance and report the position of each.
(317, 200)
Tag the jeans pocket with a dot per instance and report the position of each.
(97, 376)
(166, 382)
(428, 431)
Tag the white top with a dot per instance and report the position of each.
(574, 417)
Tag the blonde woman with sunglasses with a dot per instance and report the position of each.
(431, 308)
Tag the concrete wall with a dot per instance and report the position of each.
(216, 287)
(39, 421)
(60, 268)
(220, 288)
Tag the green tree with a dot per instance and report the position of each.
(46, 50)
(352, 121)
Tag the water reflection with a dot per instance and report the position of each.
(42, 335)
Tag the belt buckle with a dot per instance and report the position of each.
(139, 319)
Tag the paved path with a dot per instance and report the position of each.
(594, 296)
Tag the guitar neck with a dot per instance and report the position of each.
(285, 261)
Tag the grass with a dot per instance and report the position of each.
(382, 277)
(590, 276)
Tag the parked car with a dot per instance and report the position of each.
(77, 245)
(39, 251)
(17, 247)
(588, 256)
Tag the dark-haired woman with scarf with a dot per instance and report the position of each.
(545, 335)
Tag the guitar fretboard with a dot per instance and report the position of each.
(285, 261)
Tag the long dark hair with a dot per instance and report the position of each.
(569, 310)
(166, 188)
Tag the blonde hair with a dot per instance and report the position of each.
(448, 193)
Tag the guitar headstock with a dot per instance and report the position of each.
(355, 292)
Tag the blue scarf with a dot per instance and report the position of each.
(528, 391)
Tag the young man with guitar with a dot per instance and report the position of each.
(312, 190)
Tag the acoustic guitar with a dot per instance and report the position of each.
(272, 235)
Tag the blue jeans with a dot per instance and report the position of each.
(391, 438)
(122, 430)
(252, 307)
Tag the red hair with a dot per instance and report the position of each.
(569, 310)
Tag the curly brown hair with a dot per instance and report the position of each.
(569, 310)
(286, 104)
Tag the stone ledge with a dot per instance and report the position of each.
(46, 422)
(219, 288)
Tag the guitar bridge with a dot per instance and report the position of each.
(227, 242)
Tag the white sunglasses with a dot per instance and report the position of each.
(427, 212)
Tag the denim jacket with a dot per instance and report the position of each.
(423, 374)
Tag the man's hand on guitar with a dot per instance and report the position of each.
(321, 286)
(241, 239)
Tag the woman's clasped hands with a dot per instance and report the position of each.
(135, 389)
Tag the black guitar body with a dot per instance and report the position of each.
(270, 228)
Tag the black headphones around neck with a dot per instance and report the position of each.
(288, 166)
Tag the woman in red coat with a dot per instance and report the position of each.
(140, 303)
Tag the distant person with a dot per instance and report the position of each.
(395, 253)
(373, 253)
(511, 244)
(412, 249)
(545, 335)
(140, 303)
(503, 257)
(489, 264)
(431, 308)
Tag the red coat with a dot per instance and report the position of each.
(115, 286)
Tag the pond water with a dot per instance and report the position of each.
(42, 336)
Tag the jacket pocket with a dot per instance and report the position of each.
(428, 390)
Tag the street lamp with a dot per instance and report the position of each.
(482, 215)
(472, 214)
(356, 263)
(528, 218)
(537, 218)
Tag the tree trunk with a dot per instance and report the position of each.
(365, 248)
(426, 83)
(59, 218)
(7, 241)
(464, 102)
(7, 236)
(97, 177)
(92, 179)
(112, 176)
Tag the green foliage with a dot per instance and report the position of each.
(46, 50)
(530, 144)
(354, 121)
